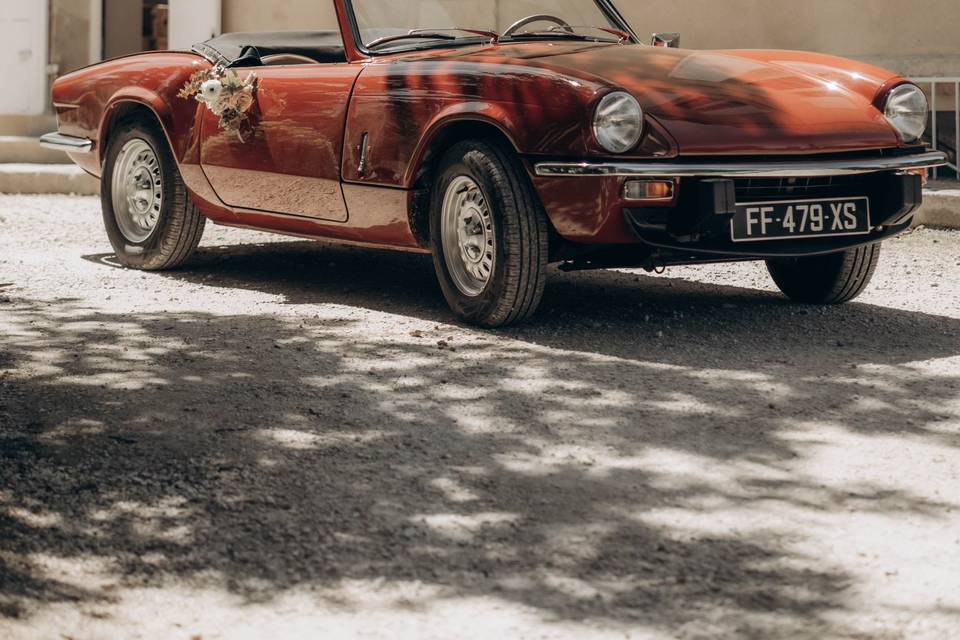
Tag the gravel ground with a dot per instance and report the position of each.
(292, 440)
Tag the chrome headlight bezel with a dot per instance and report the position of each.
(618, 122)
(906, 108)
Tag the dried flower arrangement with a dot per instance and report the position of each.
(227, 95)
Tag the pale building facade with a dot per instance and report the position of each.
(917, 38)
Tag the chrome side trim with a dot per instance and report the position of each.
(60, 142)
(772, 169)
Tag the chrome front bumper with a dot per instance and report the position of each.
(806, 168)
(70, 144)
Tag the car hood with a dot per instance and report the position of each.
(726, 102)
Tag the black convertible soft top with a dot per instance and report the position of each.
(245, 49)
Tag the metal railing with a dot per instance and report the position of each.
(935, 84)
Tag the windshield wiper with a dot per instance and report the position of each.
(432, 34)
(567, 32)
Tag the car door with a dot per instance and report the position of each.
(290, 163)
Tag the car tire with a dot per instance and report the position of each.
(150, 220)
(489, 234)
(830, 279)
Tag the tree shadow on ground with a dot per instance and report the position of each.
(260, 453)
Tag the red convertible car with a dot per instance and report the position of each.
(503, 137)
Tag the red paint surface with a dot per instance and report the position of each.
(291, 161)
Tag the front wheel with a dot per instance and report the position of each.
(150, 220)
(831, 279)
(489, 234)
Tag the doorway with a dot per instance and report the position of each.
(132, 26)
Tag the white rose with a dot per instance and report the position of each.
(210, 92)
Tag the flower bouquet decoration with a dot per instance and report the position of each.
(229, 97)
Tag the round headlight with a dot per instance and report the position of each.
(618, 122)
(906, 110)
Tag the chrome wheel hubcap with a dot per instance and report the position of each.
(469, 241)
(137, 190)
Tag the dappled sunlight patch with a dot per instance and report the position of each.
(481, 419)
(34, 519)
(762, 384)
(584, 590)
(695, 481)
(117, 356)
(577, 420)
(583, 395)
(728, 376)
(295, 342)
(105, 352)
(453, 490)
(550, 459)
(41, 365)
(691, 405)
(942, 368)
(84, 573)
(385, 362)
(945, 428)
(828, 445)
(530, 377)
(168, 521)
(169, 507)
(326, 382)
(868, 405)
(526, 464)
(712, 517)
(409, 411)
(461, 393)
(572, 545)
(473, 471)
(464, 528)
(75, 427)
(874, 378)
(237, 375)
(117, 381)
(593, 458)
(161, 532)
(405, 383)
(305, 441)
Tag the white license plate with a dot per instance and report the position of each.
(792, 219)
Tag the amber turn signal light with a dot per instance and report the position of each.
(923, 173)
(648, 190)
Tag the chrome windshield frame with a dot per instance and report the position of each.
(605, 6)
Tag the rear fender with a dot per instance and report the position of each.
(179, 122)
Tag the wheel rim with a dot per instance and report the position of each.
(469, 241)
(137, 190)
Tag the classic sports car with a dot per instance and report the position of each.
(502, 137)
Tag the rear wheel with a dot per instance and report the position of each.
(831, 279)
(489, 231)
(150, 220)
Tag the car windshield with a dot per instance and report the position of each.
(389, 24)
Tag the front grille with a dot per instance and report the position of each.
(761, 189)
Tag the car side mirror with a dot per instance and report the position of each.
(671, 40)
